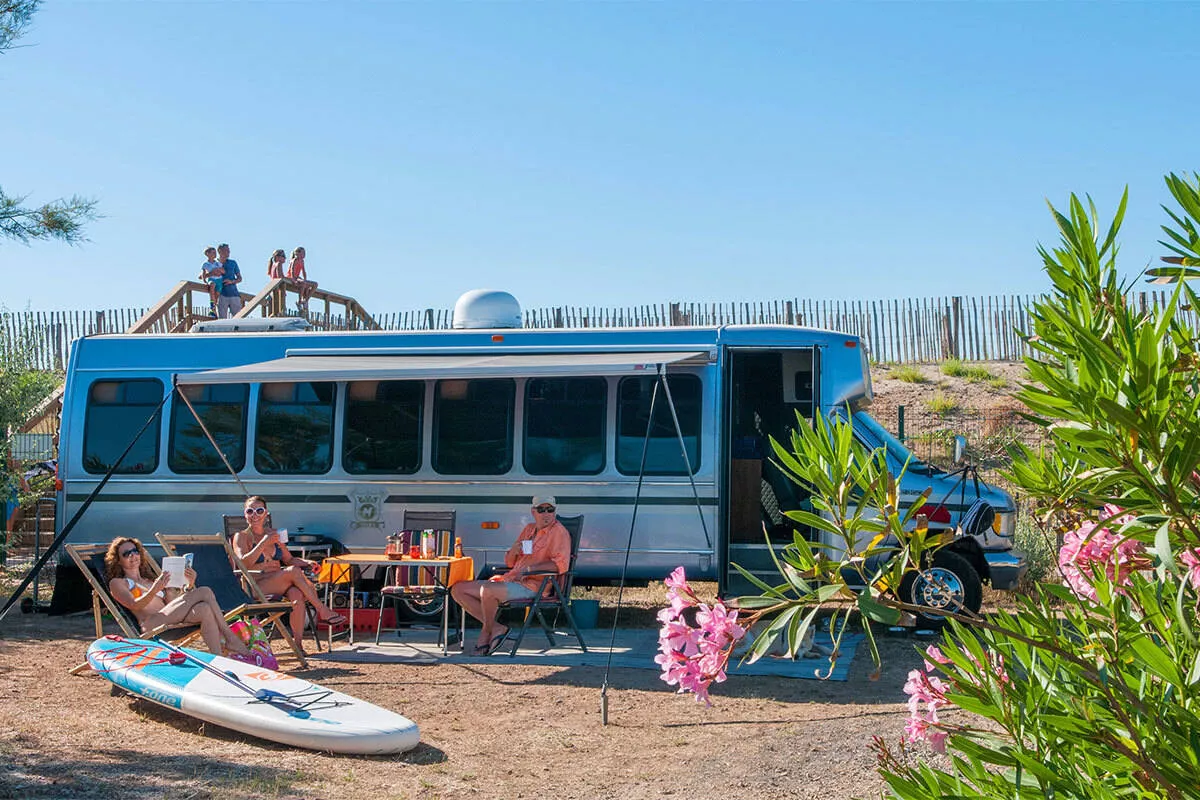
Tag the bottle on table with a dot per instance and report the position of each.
(458, 547)
(427, 545)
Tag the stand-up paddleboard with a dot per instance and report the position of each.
(250, 699)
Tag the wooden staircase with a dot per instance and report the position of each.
(33, 527)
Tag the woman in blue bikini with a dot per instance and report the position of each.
(277, 571)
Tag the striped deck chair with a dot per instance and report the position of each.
(414, 589)
(233, 523)
(218, 568)
(90, 560)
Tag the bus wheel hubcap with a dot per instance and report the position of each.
(938, 588)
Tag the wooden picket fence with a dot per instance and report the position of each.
(911, 330)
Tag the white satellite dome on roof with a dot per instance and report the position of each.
(487, 308)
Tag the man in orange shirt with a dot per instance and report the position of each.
(542, 546)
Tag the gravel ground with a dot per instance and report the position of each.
(503, 731)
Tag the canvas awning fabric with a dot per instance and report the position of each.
(295, 369)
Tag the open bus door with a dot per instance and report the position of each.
(764, 392)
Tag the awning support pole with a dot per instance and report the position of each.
(683, 451)
(637, 496)
(211, 440)
(662, 381)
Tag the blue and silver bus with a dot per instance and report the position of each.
(344, 431)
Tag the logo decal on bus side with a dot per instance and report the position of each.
(368, 509)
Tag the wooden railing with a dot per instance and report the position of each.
(180, 309)
(272, 301)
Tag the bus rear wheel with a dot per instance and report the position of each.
(422, 609)
(950, 583)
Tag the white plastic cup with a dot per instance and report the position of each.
(174, 566)
(527, 546)
(282, 535)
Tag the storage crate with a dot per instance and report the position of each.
(365, 619)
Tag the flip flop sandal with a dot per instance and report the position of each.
(334, 621)
(496, 641)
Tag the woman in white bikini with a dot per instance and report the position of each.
(276, 570)
(133, 584)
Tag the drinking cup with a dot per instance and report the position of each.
(282, 535)
(414, 551)
(527, 546)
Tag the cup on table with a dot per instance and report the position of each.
(527, 546)
(282, 535)
(414, 551)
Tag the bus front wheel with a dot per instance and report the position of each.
(950, 583)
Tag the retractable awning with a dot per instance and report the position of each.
(293, 369)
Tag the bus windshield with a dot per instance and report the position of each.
(895, 448)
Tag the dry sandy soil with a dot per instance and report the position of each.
(971, 395)
(496, 730)
(493, 730)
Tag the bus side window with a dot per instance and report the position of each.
(222, 407)
(116, 411)
(564, 425)
(633, 412)
(381, 433)
(294, 432)
(473, 426)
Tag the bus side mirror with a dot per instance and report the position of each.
(960, 449)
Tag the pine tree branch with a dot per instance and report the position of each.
(61, 219)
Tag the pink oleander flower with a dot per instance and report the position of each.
(1191, 561)
(918, 729)
(1092, 548)
(677, 581)
(934, 653)
(693, 657)
(718, 622)
(929, 690)
(677, 636)
(923, 727)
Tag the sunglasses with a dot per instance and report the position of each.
(130, 552)
(258, 512)
(544, 509)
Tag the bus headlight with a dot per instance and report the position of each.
(1005, 524)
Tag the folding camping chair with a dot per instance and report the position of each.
(90, 560)
(558, 598)
(415, 587)
(233, 523)
(218, 568)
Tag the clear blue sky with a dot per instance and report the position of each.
(613, 153)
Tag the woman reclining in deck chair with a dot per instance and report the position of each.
(278, 571)
(132, 583)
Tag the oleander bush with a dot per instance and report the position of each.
(1091, 687)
